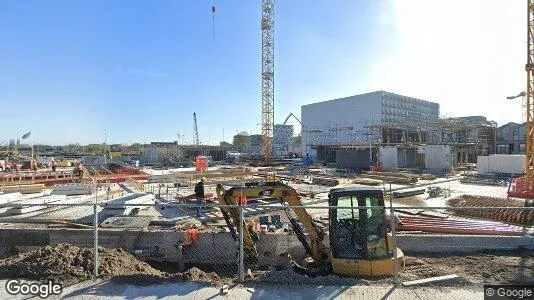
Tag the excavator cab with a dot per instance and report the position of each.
(359, 242)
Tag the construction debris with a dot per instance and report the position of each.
(325, 181)
(436, 191)
(473, 179)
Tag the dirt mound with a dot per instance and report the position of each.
(69, 264)
(195, 274)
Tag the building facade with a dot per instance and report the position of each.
(282, 140)
(357, 132)
(355, 120)
(256, 143)
(511, 138)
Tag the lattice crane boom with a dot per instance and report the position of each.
(524, 187)
(529, 176)
(267, 76)
(195, 129)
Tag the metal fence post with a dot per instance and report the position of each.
(95, 238)
(393, 235)
(241, 270)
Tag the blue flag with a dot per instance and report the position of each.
(26, 135)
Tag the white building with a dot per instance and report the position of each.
(351, 120)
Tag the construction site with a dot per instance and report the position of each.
(381, 189)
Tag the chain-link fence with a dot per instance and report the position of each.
(145, 237)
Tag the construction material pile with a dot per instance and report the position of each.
(367, 181)
(436, 191)
(325, 181)
(517, 214)
(481, 180)
(393, 177)
(68, 264)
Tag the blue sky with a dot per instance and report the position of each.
(69, 70)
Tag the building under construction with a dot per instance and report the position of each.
(172, 153)
(362, 130)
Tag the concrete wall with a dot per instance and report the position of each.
(438, 158)
(389, 158)
(438, 243)
(338, 114)
(501, 163)
(217, 248)
(353, 159)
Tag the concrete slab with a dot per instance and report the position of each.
(127, 222)
(101, 289)
(445, 293)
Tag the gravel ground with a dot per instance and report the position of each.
(471, 269)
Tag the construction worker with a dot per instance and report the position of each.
(79, 170)
(54, 165)
(199, 194)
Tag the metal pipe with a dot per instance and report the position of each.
(393, 237)
(241, 233)
(95, 237)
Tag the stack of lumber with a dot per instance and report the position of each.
(325, 181)
(393, 177)
(24, 188)
(367, 181)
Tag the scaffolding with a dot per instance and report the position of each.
(467, 136)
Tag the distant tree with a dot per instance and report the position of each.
(241, 141)
(94, 148)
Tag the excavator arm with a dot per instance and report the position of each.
(287, 195)
(232, 216)
(315, 234)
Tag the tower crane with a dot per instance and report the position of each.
(267, 76)
(195, 129)
(523, 94)
(524, 187)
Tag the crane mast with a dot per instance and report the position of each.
(267, 76)
(195, 129)
(529, 168)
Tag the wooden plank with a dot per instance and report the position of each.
(431, 279)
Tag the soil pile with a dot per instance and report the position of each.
(68, 264)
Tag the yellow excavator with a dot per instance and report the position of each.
(360, 244)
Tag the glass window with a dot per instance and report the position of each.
(347, 213)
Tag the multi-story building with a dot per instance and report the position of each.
(256, 143)
(511, 138)
(355, 131)
(354, 120)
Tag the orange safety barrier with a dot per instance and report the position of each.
(192, 234)
(240, 200)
